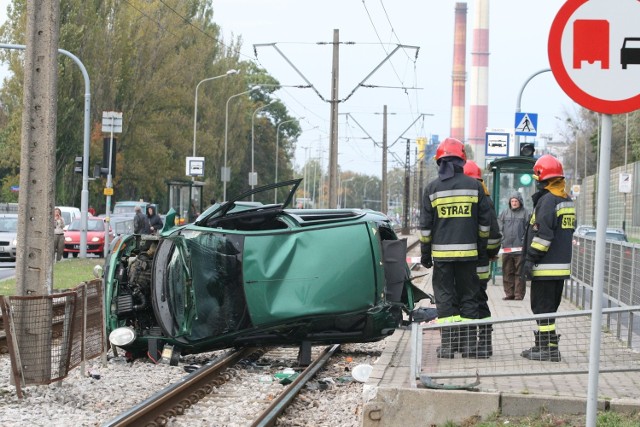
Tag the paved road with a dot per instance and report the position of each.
(7, 269)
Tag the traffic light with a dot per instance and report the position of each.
(77, 168)
(527, 149)
(106, 147)
(524, 179)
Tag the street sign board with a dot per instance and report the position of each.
(111, 122)
(594, 53)
(195, 166)
(526, 124)
(624, 185)
(497, 144)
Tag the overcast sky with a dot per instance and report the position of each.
(517, 45)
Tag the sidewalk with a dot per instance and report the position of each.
(391, 392)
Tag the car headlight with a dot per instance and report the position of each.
(97, 271)
(95, 239)
(14, 242)
(67, 239)
(122, 336)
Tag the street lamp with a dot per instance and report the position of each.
(253, 179)
(364, 193)
(225, 172)
(275, 197)
(195, 109)
(344, 190)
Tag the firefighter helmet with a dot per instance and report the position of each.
(472, 169)
(547, 167)
(451, 147)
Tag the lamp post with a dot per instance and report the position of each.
(225, 172)
(253, 179)
(344, 190)
(364, 193)
(275, 197)
(195, 109)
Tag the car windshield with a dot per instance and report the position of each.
(124, 209)
(9, 225)
(92, 225)
(611, 235)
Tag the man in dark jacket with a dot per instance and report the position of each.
(513, 224)
(139, 221)
(548, 245)
(485, 347)
(454, 227)
(155, 222)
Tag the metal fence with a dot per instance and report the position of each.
(51, 334)
(506, 368)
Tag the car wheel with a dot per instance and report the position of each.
(65, 254)
(75, 254)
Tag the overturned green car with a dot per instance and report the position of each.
(245, 274)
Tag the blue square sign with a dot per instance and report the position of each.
(526, 124)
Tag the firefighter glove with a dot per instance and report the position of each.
(426, 261)
(527, 270)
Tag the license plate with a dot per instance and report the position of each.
(76, 246)
(1, 248)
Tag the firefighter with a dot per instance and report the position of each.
(548, 253)
(485, 347)
(455, 220)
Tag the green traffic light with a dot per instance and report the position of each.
(526, 179)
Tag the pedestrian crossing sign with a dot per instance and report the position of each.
(526, 124)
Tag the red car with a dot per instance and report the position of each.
(96, 230)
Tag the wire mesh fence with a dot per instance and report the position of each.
(48, 335)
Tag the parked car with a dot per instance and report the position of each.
(127, 208)
(8, 236)
(614, 234)
(582, 229)
(69, 213)
(251, 274)
(96, 231)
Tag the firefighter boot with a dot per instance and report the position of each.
(469, 341)
(548, 350)
(448, 343)
(485, 349)
(535, 348)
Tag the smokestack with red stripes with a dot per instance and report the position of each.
(479, 97)
(459, 75)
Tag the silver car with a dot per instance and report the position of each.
(8, 236)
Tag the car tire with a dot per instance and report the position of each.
(75, 254)
(65, 254)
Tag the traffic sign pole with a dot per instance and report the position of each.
(589, 65)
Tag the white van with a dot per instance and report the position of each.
(69, 213)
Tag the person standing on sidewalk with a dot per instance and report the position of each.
(513, 224)
(454, 228)
(548, 253)
(58, 234)
(485, 347)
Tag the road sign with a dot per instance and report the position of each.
(624, 185)
(594, 53)
(108, 191)
(526, 124)
(111, 122)
(497, 144)
(195, 166)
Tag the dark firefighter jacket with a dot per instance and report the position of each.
(493, 244)
(549, 235)
(455, 219)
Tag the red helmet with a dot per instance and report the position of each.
(472, 169)
(547, 167)
(451, 147)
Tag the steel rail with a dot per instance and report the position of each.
(269, 416)
(171, 401)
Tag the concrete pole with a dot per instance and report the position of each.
(333, 144)
(34, 264)
(383, 196)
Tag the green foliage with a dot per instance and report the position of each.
(145, 59)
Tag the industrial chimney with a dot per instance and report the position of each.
(479, 99)
(459, 75)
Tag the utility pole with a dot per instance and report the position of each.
(383, 197)
(333, 143)
(407, 171)
(34, 264)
